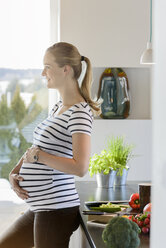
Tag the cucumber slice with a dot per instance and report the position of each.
(109, 210)
(124, 206)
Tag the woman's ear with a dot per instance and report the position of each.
(67, 69)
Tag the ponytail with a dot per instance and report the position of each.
(85, 89)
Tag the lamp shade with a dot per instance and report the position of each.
(147, 55)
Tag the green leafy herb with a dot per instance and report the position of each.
(114, 157)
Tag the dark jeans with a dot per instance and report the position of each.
(47, 229)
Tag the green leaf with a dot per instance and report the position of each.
(115, 157)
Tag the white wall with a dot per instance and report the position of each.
(74, 29)
(158, 237)
(137, 128)
(110, 32)
(137, 132)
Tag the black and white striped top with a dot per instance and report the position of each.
(49, 188)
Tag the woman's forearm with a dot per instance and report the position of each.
(67, 165)
(78, 165)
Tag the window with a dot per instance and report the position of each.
(25, 34)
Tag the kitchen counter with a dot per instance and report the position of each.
(88, 191)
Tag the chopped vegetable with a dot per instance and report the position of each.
(124, 206)
(109, 207)
(109, 204)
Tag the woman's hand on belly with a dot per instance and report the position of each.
(14, 181)
(31, 154)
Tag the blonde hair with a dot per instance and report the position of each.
(67, 54)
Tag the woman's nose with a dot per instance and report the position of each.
(43, 73)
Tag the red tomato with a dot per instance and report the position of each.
(140, 223)
(145, 229)
(147, 208)
(146, 221)
(148, 216)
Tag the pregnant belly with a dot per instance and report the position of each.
(37, 178)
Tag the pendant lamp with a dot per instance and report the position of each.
(147, 55)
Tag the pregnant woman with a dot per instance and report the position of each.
(44, 176)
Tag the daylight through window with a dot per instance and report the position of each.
(25, 35)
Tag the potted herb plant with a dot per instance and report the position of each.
(105, 171)
(120, 153)
(110, 166)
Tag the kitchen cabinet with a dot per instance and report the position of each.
(110, 32)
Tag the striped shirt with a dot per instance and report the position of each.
(49, 188)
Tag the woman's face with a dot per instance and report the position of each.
(53, 73)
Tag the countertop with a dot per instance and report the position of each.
(88, 191)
